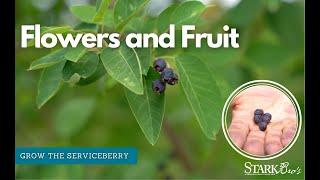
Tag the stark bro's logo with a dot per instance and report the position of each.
(270, 169)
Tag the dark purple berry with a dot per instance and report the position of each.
(257, 118)
(263, 125)
(168, 76)
(258, 112)
(159, 65)
(158, 86)
(266, 117)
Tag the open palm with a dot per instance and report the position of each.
(280, 131)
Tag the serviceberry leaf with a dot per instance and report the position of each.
(49, 83)
(145, 58)
(49, 59)
(74, 54)
(99, 72)
(125, 10)
(187, 13)
(163, 20)
(101, 11)
(123, 65)
(202, 93)
(84, 13)
(148, 109)
(85, 67)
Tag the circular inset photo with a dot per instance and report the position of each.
(261, 120)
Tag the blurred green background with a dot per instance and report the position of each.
(271, 47)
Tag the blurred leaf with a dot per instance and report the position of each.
(85, 67)
(273, 5)
(148, 108)
(48, 60)
(214, 57)
(267, 55)
(84, 12)
(88, 27)
(288, 23)
(202, 93)
(99, 72)
(187, 13)
(145, 58)
(110, 83)
(123, 65)
(103, 6)
(71, 116)
(163, 20)
(125, 10)
(98, 3)
(49, 83)
(245, 12)
(74, 54)
(62, 172)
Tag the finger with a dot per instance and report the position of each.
(288, 133)
(273, 140)
(238, 132)
(255, 143)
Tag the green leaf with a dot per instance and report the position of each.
(148, 109)
(163, 21)
(99, 72)
(202, 93)
(145, 57)
(72, 116)
(74, 54)
(99, 16)
(84, 12)
(125, 10)
(48, 60)
(56, 29)
(123, 65)
(85, 67)
(187, 13)
(49, 83)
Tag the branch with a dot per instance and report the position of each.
(177, 146)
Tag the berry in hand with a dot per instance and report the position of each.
(158, 86)
(266, 117)
(159, 65)
(168, 76)
(257, 118)
(258, 112)
(263, 125)
(261, 119)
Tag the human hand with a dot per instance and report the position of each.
(280, 131)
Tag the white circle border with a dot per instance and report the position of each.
(225, 108)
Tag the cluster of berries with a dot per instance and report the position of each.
(166, 76)
(262, 119)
